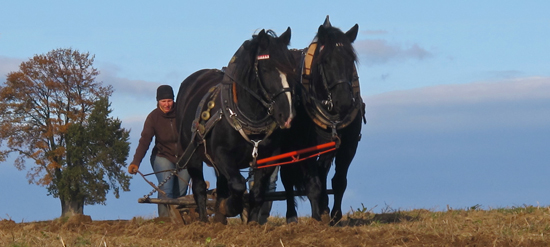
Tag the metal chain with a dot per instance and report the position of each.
(157, 188)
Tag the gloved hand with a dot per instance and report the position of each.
(133, 168)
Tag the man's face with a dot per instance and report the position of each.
(166, 105)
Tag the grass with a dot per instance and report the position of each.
(471, 226)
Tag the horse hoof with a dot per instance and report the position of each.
(253, 223)
(204, 220)
(244, 216)
(292, 219)
(325, 218)
(220, 218)
(222, 207)
(228, 208)
(335, 221)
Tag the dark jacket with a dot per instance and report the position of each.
(163, 127)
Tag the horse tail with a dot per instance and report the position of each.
(295, 175)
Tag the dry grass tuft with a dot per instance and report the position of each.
(517, 226)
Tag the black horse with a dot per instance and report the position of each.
(330, 109)
(233, 117)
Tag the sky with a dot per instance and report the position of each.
(457, 92)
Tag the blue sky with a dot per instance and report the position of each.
(457, 93)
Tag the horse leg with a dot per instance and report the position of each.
(194, 167)
(222, 192)
(313, 189)
(324, 164)
(233, 204)
(339, 184)
(287, 180)
(257, 191)
(340, 181)
(265, 209)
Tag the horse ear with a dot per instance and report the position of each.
(352, 33)
(285, 37)
(261, 33)
(327, 23)
(263, 39)
(321, 32)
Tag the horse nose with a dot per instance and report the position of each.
(288, 123)
(284, 122)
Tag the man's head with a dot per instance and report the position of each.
(165, 98)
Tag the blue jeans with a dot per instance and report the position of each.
(174, 187)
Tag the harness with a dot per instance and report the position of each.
(243, 124)
(221, 102)
(319, 110)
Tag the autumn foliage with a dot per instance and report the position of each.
(44, 106)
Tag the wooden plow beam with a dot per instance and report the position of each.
(188, 201)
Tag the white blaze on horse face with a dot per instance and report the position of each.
(288, 96)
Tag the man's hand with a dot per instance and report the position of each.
(133, 169)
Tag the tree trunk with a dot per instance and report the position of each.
(70, 208)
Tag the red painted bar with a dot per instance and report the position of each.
(294, 153)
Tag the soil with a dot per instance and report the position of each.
(528, 226)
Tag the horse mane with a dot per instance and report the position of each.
(244, 58)
(283, 60)
(329, 38)
(242, 61)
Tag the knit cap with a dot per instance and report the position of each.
(165, 92)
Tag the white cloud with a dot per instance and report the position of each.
(513, 103)
(379, 51)
(513, 89)
(374, 32)
(108, 75)
(127, 87)
(504, 74)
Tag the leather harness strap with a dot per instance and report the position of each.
(309, 58)
(315, 108)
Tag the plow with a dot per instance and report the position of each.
(182, 209)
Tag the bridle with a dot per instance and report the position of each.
(307, 62)
(328, 88)
(320, 110)
(268, 100)
(270, 97)
(247, 127)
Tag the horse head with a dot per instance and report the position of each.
(267, 75)
(333, 72)
(328, 113)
